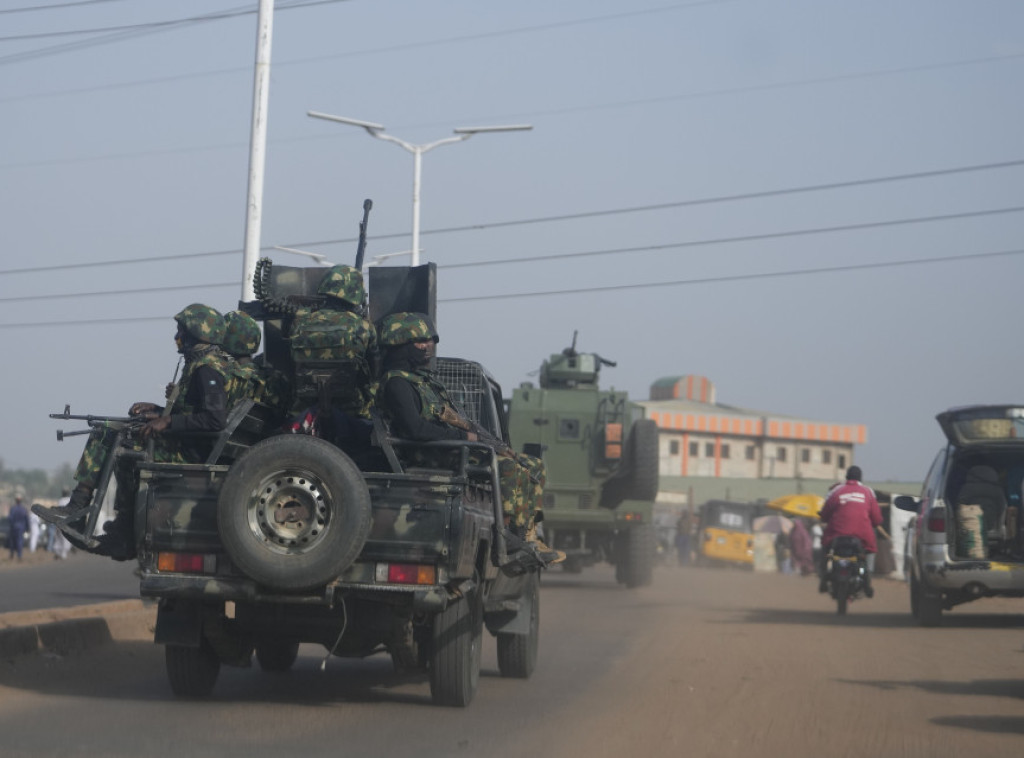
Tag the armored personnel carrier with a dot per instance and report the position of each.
(601, 456)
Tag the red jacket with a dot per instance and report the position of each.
(851, 510)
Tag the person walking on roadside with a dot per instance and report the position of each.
(58, 543)
(34, 523)
(17, 523)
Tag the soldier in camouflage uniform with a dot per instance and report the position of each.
(419, 408)
(242, 339)
(336, 337)
(198, 403)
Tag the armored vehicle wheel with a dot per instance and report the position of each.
(276, 655)
(517, 653)
(192, 671)
(635, 566)
(293, 512)
(643, 460)
(455, 651)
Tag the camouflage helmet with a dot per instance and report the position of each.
(241, 334)
(203, 323)
(400, 328)
(345, 283)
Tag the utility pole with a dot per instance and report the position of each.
(257, 147)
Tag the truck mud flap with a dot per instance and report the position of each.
(506, 610)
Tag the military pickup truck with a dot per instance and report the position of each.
(280, 539)
(601, 456)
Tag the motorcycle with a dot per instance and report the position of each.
(846, 572)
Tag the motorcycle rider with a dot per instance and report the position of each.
(850, 510)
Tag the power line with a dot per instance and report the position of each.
(396, 48)
(53, 6)
(613, 287)
(111, 34)
(562, 217)
(565, 256)
(743, 238)
(740, 277)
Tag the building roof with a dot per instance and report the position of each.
(716, 418)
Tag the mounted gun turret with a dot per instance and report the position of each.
(571, 369)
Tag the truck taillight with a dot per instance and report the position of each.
(406, 573)
(186, 563)
(630, 516)
(937, 522)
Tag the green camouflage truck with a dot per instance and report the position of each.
(279, 539)
(601, 456)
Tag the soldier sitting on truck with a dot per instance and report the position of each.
(336, 357)
(198, 403)
(419, 408)
(241, 340)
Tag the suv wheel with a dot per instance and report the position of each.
(925, 606)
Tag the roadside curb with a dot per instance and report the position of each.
(67, 631)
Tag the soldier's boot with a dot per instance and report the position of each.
(545, 553)
(117, 540)
(77, 507)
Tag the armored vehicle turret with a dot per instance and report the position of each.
(601, 456)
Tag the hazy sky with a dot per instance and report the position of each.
(816, 204)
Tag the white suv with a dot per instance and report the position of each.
(967, 541)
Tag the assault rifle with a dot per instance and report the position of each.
(452, 417)
(126, 424)
(123, 427)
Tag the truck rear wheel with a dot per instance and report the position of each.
(192, 671)
(455, 651)
(517, 653)
(293, 512)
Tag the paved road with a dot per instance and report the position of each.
(705, 662)
(81, 579)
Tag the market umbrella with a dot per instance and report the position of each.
(773, 523)
(803, 504)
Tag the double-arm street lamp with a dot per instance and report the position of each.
(461, 133)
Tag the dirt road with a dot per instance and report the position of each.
(703, 663)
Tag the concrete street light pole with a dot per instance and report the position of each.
(461, 133)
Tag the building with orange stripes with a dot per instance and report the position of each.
(700, 438)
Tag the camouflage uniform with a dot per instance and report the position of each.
(202, 323)
(337, 332)
(521, 477)
(244, 379)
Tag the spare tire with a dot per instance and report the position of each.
(643, 460)
(637, 478)
(293, 512)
